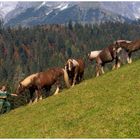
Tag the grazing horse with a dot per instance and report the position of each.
(75, 69)
(107, 55)
(129, 47)
(43, 80)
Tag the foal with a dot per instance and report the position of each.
(75, 69)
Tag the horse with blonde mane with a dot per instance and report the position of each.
(75, 69)
(42, 80)
(129, 47)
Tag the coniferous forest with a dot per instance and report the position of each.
(27, 50)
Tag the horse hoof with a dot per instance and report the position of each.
(97, 75)
(30, 103)
(40, 98)
(34, 102)
(55, 93)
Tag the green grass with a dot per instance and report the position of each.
(103, 107)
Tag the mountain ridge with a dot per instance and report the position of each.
(34, 13)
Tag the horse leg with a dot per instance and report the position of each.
(74, 79)
(98, 70)
(130, 58)
(31, 95)
(71, 81)
(114, 66)
(102, 69)
(118, 62)
(38, 93)
(127, 59)
(47, 89)
(58, 86)
(36, 96)
(81, 76)
(57, 90)
(78, 79)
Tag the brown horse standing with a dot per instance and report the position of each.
(75, 69)
(43, 80)
(107, 55)
(129, 47)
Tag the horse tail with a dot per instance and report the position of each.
(66, 78)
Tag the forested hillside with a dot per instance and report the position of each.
(24, 51)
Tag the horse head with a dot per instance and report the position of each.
(69, 65)
(89, 57)
(20, 88)
(122, 43)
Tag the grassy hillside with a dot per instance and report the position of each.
(107, 107)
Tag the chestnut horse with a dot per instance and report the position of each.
(107, 55)
(129, 47)
(43, 80)
(75, 69)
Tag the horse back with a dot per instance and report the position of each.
(107, 54)
(81, 64)
(134, 45)
(49, 77)
(29, 80)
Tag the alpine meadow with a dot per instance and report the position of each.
(69, 70)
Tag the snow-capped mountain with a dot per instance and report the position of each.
(130, 10)
(6, 7)
(19, 8)
(33, 13)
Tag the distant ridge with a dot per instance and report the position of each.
(34, 13)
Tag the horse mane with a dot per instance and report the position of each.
(73, 61)
(122, 41)
(69, 60)
(28, 80)
(66, 78)
(127, 41)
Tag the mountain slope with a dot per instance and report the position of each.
(34, 13)
(6, 7)
(107, 107)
